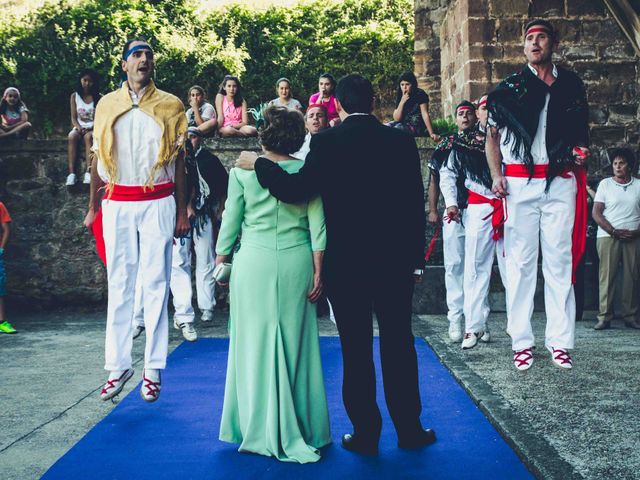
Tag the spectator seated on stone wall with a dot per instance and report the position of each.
(616, 210)
(231, 108)
(83, 103)
(285, 99)
(325, 96)
(200, 113)
(14, 114)
(412, 108)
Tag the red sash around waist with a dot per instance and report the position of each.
(498, 216)
(579, 238)
(125, 193)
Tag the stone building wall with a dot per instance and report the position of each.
(50, 257)
(481, 44)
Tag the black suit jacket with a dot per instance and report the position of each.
(371, 185)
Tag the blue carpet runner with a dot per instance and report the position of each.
(177, 437)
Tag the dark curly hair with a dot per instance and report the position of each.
(626, 154)
(283, 130)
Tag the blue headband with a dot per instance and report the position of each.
(136, 48)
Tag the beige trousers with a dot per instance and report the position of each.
(612, 252)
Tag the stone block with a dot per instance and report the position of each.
(630, 92)
(568, 30)
(585, 8)
(509, 8)
(478, 8)
(623, 114)
(604, 93)
(477, 89)
(602, 31)
(501, 70)
(514, 53)
(485, 52)
(477, 70)
(509, 31)
(547, 8)
(598, 114)
(623, 71)
(578, 52)
(618, 51)
(17, 166)
(607, 135)
(589, 71)
(481, 31)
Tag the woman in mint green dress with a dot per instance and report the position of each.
(274, 401)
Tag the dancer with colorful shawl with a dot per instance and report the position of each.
(539, 133)
(484, 218)
(138, 142)
(452, 229)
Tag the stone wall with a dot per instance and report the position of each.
(480, 44)
(428, 16)
(50, 258)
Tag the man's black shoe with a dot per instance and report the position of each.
(353, 444)
(422, 439)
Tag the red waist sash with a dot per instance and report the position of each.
(498, 216)
(579, 237)
(125, 193)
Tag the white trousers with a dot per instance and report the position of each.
(181, 287)
(138, 236)
(540, 219)
(479, 252)
(453, 252)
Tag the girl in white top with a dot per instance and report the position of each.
(83, 106)
(283, 89)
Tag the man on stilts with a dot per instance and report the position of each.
(139, 134)
(483, 225)
(538, 130)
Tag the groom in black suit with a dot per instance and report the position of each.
(370, 181)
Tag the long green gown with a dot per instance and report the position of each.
(274, 401)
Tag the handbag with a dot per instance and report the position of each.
(222, 272)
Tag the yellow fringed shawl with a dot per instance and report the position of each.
(166, 109)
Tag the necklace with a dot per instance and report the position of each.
(624, 186)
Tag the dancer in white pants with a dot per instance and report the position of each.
(482, 235)
(453, 228)
(539, 131)
(138, 141)
(207, 181)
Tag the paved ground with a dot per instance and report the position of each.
(579, 424)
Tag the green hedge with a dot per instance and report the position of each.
(42, 53)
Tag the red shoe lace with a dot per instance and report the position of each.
(152, 387)
(468, 335)
(562, 356)
(522, 357)
(111, 383)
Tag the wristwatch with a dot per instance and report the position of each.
(418, 271)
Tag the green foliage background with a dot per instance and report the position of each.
(43, 52)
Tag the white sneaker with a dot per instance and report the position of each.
(486, 336)
(561, 358)
(207, 316)
(71, 180)
(188, 331)
(87, 178)
(137, 331)
(114, 386)
(455, 332)
(523, 359)
(470, 340)
(150, 390)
